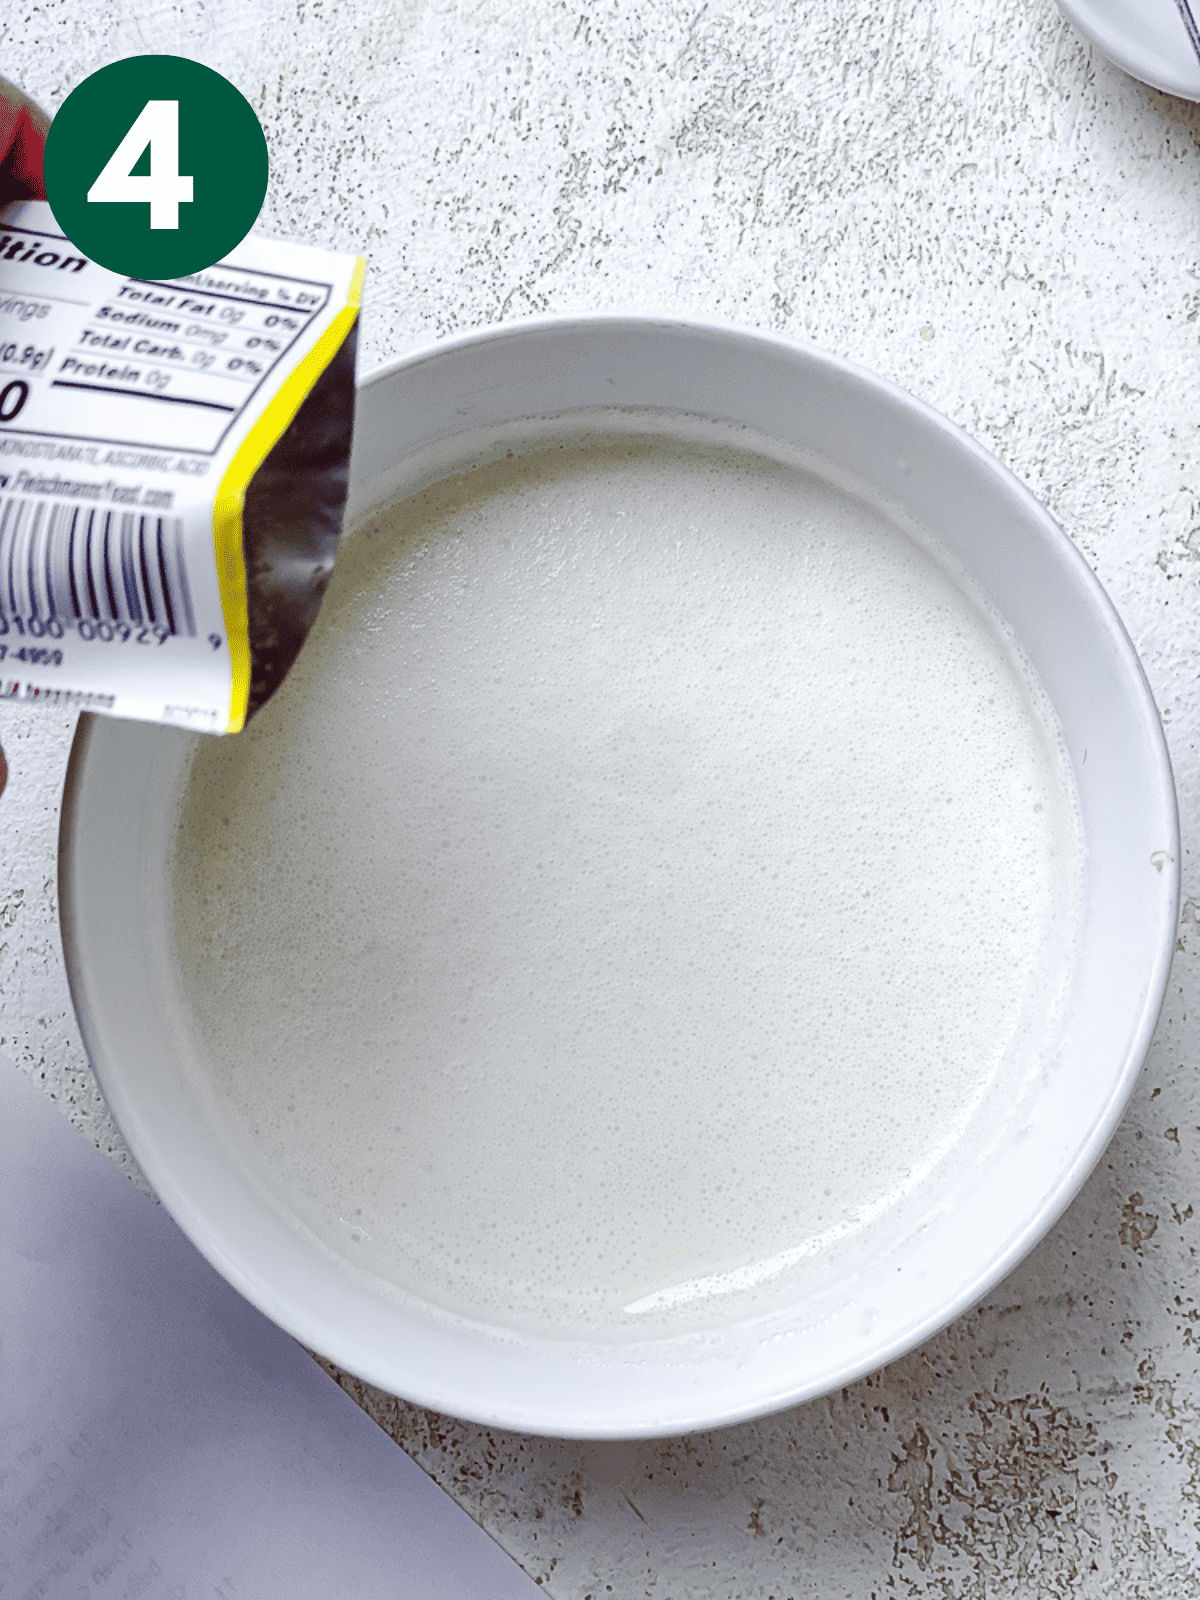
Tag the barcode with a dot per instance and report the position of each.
(78, 566)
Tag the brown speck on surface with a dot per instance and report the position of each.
(912, 1478)
(1137, 1227)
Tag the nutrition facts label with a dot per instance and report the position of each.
(176, 363)
(133, 414)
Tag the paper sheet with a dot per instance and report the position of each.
(161, 1440)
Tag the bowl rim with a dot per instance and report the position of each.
(1118, 38)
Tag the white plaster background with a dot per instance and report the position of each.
(963, 196)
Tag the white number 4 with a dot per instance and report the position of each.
(164, 189)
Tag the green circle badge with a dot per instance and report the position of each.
(155, 167)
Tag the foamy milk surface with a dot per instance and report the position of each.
(654, 879)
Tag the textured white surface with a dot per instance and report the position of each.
(962, 195)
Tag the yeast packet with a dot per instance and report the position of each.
(174, 464)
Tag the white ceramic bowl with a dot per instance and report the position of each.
(116, 829)
(1146, 38)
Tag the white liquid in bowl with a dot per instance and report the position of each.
(655, 882)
